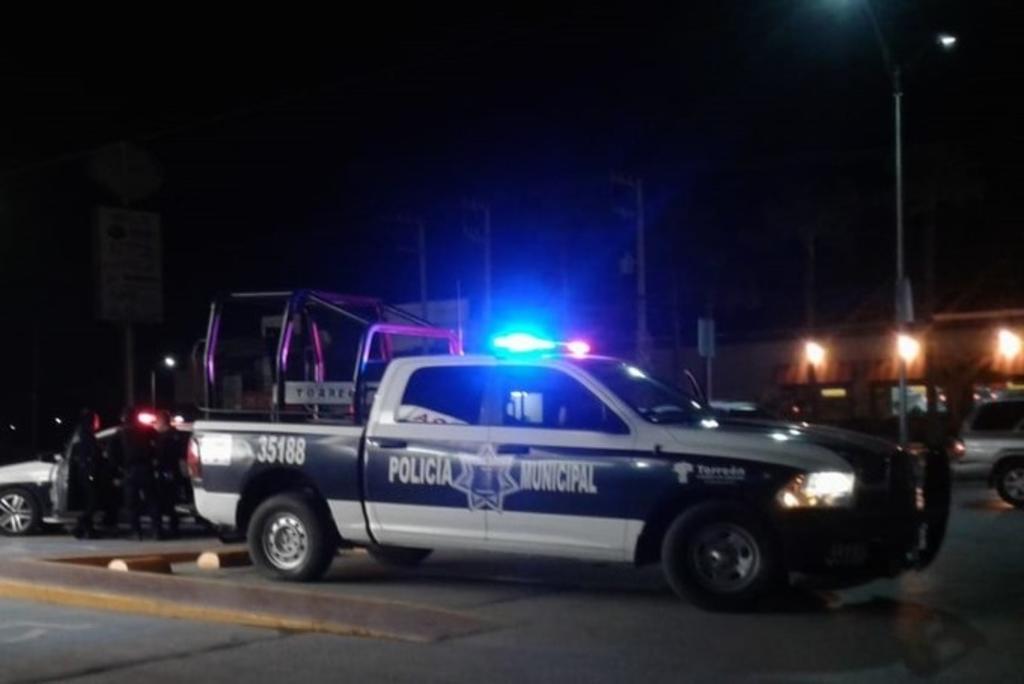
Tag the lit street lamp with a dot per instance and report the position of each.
(907, 348)
(814, 353)
(904, 297)
(1009, 344)
(169, 363)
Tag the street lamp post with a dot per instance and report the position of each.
(814, 354)
(903, 292)
(168, 362)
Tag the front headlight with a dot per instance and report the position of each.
(824, 489)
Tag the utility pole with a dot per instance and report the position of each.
(129, 332)
(642, 335)
(421, 255)
(904, 298)
(484, 237)
(421, 244)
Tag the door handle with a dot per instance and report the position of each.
(389, 443)
(513, 449)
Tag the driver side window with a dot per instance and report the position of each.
(548, 398)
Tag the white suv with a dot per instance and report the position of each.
(992, 444)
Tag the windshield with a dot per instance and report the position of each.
(655, 401)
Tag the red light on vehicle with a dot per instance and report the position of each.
(146, 418)
(958, 449)
(578, 347)
(195, 466)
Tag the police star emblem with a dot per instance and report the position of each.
(486, 479)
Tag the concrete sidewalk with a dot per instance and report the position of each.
(85, 582)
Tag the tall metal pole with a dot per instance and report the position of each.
(487, 265)
(904, 312)
(421, 235)
(641, 275)
(129, 363)
(904, 305)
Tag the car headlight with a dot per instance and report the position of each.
(823, 489)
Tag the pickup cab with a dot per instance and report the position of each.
(572, 456)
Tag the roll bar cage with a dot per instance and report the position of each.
(379, 321)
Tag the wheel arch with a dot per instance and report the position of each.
(661, 516)
(273, 481)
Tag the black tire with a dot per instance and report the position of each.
(750, 560)
(1009, 479)
(20, 512)
(289, 540)
(400, 556)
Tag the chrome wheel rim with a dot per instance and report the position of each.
(726, 557)
(285, 541)
(15, 513)
(1013, 483)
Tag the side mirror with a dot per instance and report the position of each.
(695, 387)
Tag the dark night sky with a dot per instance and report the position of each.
(283, 147)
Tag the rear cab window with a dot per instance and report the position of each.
(444, 395)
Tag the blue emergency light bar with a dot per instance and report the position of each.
(522, 343)
(525, 343)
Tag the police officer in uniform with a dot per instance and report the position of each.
(167, 457)
(84, 462)
(139, 475)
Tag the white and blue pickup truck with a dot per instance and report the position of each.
(564, 455)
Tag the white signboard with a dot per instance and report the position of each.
(129, 265)
(334, 393)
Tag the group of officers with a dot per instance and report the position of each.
(139, 468)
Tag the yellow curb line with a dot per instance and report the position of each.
(95, 600)
(283, 588)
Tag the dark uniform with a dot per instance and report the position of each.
(84, 460)
(168, 454)
(140, 492)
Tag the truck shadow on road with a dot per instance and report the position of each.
(875, 633)
(833, 634)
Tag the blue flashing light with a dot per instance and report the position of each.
(522, 343)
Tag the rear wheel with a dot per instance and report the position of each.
(289, 540)
(1010, 482)
(719, 557)
(399, 555)
(19, 512)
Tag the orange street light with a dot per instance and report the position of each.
(907, 347)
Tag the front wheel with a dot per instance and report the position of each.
(20, 513)
(289, 540)
(719, 557)
(1010, 483)
(399, 555)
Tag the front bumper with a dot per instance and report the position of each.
(887, 530)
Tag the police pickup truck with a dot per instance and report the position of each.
(571, 455)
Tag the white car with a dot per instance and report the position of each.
(29, 498)
(25, 495)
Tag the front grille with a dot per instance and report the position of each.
(887, 484)
(873, 471)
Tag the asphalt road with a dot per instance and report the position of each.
(550, 621)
